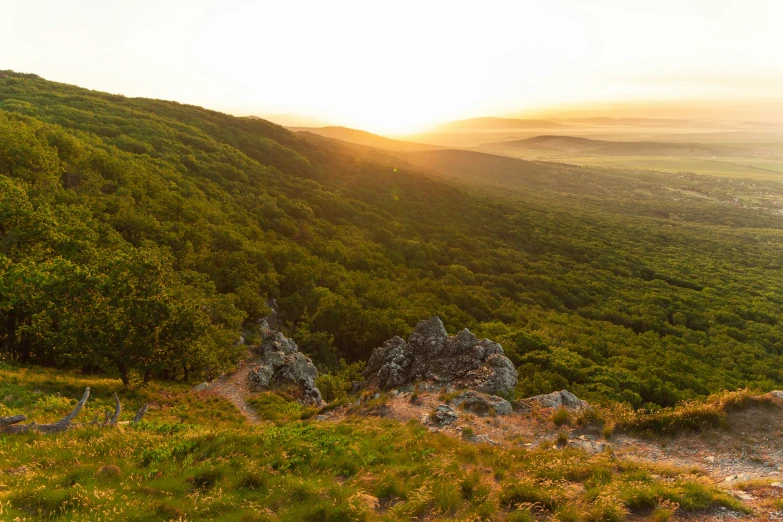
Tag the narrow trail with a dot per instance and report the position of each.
(233, 386)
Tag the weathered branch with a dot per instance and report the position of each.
(68, 418)
(140, 414)
(7, 421)
(11, 424)
(117, 410)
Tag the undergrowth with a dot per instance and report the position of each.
(210, 466)
(686, 416)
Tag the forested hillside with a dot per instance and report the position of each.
(137, 236)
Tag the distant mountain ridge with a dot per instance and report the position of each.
(492, 123)
(582, 146)
(368, 139)
(607, 120)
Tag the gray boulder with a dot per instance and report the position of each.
(460, 361)
(559, 399)
(482, 404)
(283, 364)
(443, 415)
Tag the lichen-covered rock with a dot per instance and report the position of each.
(443, 415)
(461, 361)
(391, 363)
(200, 387)
(559, 399)
(482, 404)
(282, 363)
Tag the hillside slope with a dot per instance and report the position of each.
(138, 235)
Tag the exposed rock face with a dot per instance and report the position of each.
(431, 354)
(282, 363)
(481, 403)
(560, 399)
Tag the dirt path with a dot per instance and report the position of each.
(233, 386)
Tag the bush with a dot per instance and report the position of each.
(337, 385)
(561, 417)
(686, 416)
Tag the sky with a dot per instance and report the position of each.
(402, 66)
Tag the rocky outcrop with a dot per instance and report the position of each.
(481, 404)
(282, 364)
(560, 399)
(461, 361)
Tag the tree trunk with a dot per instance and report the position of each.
(186, 373)
(123, 369)
(24, 346)
(147, 375)
(10, 333)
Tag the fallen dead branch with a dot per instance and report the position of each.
(12, 424)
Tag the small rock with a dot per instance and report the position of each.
(201, 387)
(588, 446)
(21, 470)
(710, 459)
(443, 415)
(742, 495)
(482, 404)
(321, 417)
(739, 477)
(777, 485)
(482, 438)
(560, 399)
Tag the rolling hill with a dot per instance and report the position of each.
(566, 145)
(138, 236)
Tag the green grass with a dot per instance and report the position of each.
(213, 467)
(686, 416)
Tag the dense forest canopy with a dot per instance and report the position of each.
(139, 235)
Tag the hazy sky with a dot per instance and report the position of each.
(399, 65)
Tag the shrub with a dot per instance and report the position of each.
(205, 480)
(561, 417)
(518, 493)
(686, 416)
(337, 385)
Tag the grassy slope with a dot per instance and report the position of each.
(194, 458)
